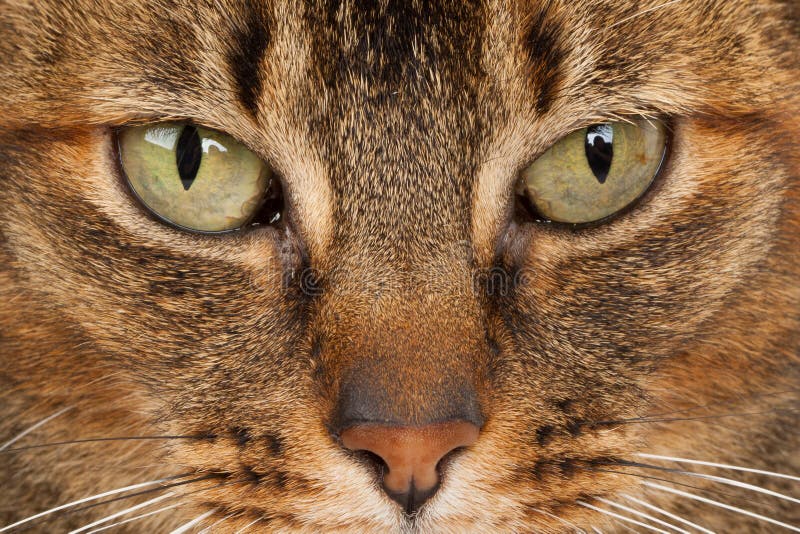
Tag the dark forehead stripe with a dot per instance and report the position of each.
(404, 78)
(251, 37)
(545, 56)
(391, 41)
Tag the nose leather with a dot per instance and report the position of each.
(411, 454)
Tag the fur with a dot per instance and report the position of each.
(398, 129)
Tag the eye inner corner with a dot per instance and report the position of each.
(525, 209)
(273, 204)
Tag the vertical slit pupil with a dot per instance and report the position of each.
(188, 154)
(600, 149)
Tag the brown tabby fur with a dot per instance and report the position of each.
(398, 129)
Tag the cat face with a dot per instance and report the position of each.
(403, 290)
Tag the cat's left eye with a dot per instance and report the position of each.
(593, 173)
(193, 177)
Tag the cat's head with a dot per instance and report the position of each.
(412, 338)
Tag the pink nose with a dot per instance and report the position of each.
(411, 455)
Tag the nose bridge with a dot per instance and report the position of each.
(413, 394)
(402, 213)
(407, 177)
(407, 360)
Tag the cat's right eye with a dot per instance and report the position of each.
(193, 177)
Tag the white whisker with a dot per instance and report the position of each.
(87, 499)
(644, 515)
(136, 518)
(30, 429)
(721, 466)
(721, 505)
(597, 530)
(559, 519)
(122, 512)
(207, 529)
(668, 514)
(621, 517)
(248, 525)
(187, 526)
(743, 485)
(643, 12)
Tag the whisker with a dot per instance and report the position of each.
(644, 12)
(30, 429)
(174, 496)
(181, 495)
(248, 525)
(559, 519)
(669, 481)
(187, 526)
(136, 518)
(649, 477)
(668, 514)
(749, 398)
(743, 485)
(139, 494)
(721, 466)
(621, 517)
(720, 505)
(712, 404)
(644, 515)
(91, 498)
(97, 440)
(207, 529)
(145, 492)
(644, 420)
(721, 480)
(122, 512)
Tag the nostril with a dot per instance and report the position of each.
(441, 466)
(408, 460)
(374, 461)
(409, 500)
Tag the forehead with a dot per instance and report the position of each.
(380, 54)
(383, 114)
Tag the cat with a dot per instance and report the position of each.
(500, 266)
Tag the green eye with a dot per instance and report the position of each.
(195, 178)
(594, 172)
